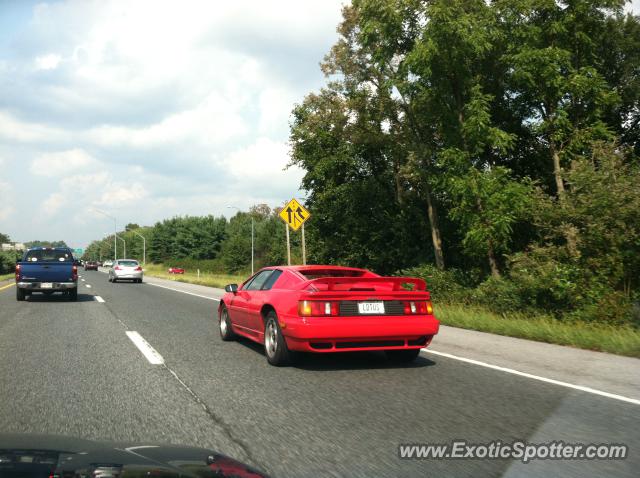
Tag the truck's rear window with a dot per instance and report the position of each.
(48, 255)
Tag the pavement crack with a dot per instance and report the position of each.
(218, 420)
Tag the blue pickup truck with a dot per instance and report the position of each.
(47, 270)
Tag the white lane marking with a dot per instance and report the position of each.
(82, 280)
(184, 291)
(98, 298)
(537, 377)
(147, 350)
(87, 286)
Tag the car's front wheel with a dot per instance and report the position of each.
(403, 356)
(275, 346)
(224, 323)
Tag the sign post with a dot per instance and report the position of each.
(288, 246)
(295, 215)
(304, 248)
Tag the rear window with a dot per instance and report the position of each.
(48, 255)
(128, 263)
(318, 273)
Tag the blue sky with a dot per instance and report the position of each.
(149, 109)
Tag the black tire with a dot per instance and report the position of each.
(275, 346)
(224, 325)
(403, 356)
(114, 280)
(73, 294)
(20, 295)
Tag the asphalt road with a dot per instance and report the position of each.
(70, 368)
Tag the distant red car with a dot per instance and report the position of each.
(328, 309)
(176, 270)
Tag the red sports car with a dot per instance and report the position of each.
(176, 270)
(329, 309)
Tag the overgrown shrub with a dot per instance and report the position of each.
(447, 286)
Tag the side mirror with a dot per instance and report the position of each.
(231, 288)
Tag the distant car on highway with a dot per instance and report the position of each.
(107, 263)
(326, 309)
(125, 269)
(90, 266)
(176, 270)
(47, 270)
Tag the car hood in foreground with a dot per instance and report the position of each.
(59, 456)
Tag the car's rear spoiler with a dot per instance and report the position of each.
(395, 282)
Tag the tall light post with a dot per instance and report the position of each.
(125, 246)
(115, 231)
(144, 245)
(252, 229)
(124, 242)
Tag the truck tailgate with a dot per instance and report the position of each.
(46, 272)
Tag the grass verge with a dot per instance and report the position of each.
(7, 276)
(191, 277)
(615, 340)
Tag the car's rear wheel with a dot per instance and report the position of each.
(20, 295)
(275, 346)
(224, 323)
(73, 294)
(403, 356)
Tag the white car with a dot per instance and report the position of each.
(125, 269)
(107, 263)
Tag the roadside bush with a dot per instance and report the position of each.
(499, 295)
(448, 286)
(8, 261)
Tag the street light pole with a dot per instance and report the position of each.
(252, 234)
(125, 246)
(144, 246)
(115, 232)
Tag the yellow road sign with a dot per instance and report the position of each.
(294, 214)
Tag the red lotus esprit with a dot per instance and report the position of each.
(329, 309)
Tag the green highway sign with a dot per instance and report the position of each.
(78, 251)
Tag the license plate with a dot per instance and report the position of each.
(46, 285)
(371, 307)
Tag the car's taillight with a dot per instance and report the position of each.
(314, 308)
(18, 272)
(139, 268)
(418, 307)
(117, 268)
(74, 272)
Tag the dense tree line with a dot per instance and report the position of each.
(208, 243)
(494, 144)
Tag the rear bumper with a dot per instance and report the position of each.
(55, 286)
(127, 275)
(346, 334)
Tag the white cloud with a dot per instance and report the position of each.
(12, 129)
(6, 201)
(48, 62)
(61, 163)
(129, 97)
(54, 203)
(261, 166)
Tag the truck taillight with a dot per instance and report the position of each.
(315, 308)
(418, 307)
(18, 272)
(74, 272)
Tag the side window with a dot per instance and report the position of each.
(259, 280)
(272, 280)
